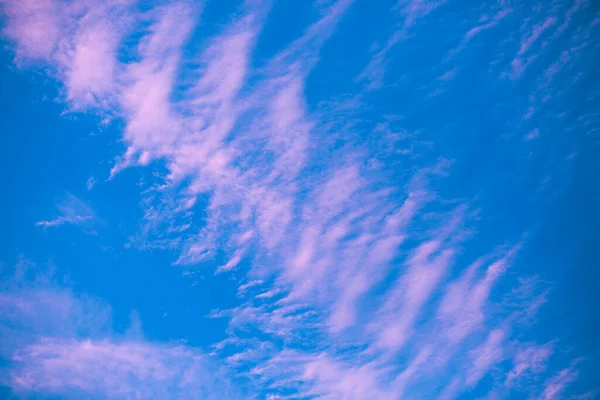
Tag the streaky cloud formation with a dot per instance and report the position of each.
(338, 200)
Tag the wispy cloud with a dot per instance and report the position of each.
(520, 62)
(66, 344)
(410, 11)
(357, 276)
(531, 359)
(485, 356)
(487, 24)
(426, 268)
(90, 183)
(462, 308)
(555, 385)
(79, 39)
(122, 369)
(536, 32)
(72, 211)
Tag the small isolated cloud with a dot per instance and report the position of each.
(91, 182)
(533, 134)
(72, 211)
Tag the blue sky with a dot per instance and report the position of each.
(299, 200)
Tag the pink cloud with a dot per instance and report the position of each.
(35, 26)
(426, 267)
(530, 360)
(79, 39)
(484, 357)
(521, 61)
(117, 370)
(334, 380)
(536, 32)
(73, 211)
(62, 343)
(555, 385)
(490, 24)
(462, 308)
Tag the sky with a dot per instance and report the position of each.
(312, 199)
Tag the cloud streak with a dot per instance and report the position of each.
(72, 211)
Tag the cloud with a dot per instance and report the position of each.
(577, 5)
(244, 287)
(426, 268)
(79, 39)
(411, 10)
(58, 342)
(72, 211)
(462, 308)
(555, 385)
(334, 380)
(536, 32)
(34, 26)
(520, 62)
(321, 376)
(90, 183)
(152, 125)
(483, 24)
(121, 370)
(485, 356)
(529, 360)
(91, 73)
(487, 25)
(360, 277)
(33, 305)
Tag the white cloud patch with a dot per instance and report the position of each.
(529, 360)
(117, 369)
(485, 356)
(79, 39)
(72, 211)
(62, 343)
(557, 384)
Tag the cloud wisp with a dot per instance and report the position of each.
(72, 211)
(66, 346)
